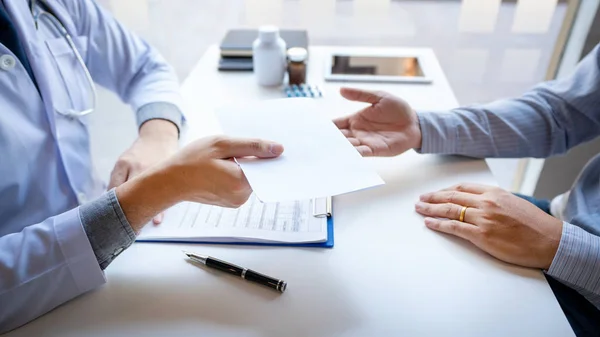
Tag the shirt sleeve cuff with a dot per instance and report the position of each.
(577, 260)
(160, 110)
(75, 246)
(438, 132)
(106, 227)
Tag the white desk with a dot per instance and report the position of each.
(387, 275)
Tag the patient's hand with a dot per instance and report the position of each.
(386, 128)
(505, 226)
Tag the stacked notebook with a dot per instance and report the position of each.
(236, 47)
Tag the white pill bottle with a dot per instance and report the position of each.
(269, 57)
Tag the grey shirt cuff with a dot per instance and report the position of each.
(438, 132)
(577, 262)
(106, 227)
(160, 110)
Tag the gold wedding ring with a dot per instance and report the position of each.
(462, 214)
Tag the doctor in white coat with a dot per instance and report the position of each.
(60, 226)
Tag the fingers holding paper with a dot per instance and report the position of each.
(206, 173)
(237, 147)
(203, 172)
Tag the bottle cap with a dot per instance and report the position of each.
(268, 33)
(297, 54)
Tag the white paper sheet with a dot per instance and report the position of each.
(318, 160)
(288, 222)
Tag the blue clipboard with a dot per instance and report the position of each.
(326, 244)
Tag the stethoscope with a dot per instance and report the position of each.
(45, 11)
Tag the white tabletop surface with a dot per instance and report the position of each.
(387, 275)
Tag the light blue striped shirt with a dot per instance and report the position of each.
(548, 120)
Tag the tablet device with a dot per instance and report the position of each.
(362, 67)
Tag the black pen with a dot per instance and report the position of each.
(245, 273)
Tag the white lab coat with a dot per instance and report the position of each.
(45, 165)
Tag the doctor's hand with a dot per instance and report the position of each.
(203, 172)
(387, 127)
(157, 141)
(498, 222)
